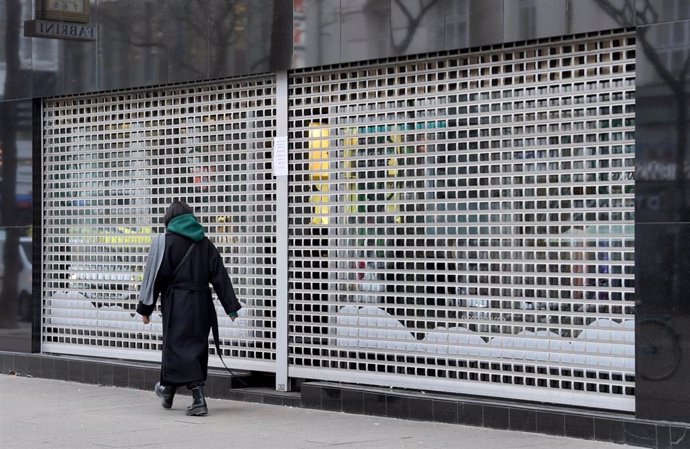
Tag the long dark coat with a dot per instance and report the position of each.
(187, 307)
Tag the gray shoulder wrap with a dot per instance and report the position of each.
(153, 263)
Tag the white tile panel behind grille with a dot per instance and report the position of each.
(465, 222)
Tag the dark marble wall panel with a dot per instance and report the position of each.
(45, 76)
(317, 33)
(654, 11)
(78, 63)
(16, 139)
(65, 66)
(259, 21)
(662, 198)
(114, 45)
(78, 66)
(16, 297)
(365, 30)
(473, 23)
(593, 15)
(417, 26)
(662, 193)
(185, 32)
(147, 42)
(534, 19)
(663, 322)
(36, 230)
(269, 30)
(228, 43)
(15, 232)
(35, 255)
(15, 50)
(662, 185)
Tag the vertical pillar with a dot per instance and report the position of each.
(37, 225)
(662, 217)
(280, 171)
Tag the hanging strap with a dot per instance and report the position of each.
(174, 275)
(216, 342)
(184, 259)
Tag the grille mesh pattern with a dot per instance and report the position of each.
(466, 221)
(112, 164)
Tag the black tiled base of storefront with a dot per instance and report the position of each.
(108, 372)
(552, 420)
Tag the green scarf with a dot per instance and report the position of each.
(187, 226)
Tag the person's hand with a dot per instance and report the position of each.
(233, 316)
(145, 319)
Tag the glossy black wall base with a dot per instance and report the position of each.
(413, 405)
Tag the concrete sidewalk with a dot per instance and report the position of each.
(41, 413)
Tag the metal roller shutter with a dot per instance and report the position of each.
(464, 222)
(112, 163)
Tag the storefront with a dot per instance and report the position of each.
(458, 218)
(461, 223)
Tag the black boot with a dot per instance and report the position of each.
(198, 407)
(167, 394)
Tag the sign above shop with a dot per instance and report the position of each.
(63, 10)
(60, 30)
(61, 19)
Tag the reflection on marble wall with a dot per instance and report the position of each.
(151, 42)
(663, 220)
(228, 38)
(16, 206)
(331, 31)
(269, 30)
(365, 30)
(534, 19)
(147, 42)
(592, 15)
(662, 107)
(16, 173)
(316, 33)
(656, 11)
(662, 322)
(473, 23)
(417, 27)
(16, 264)
(16, 62)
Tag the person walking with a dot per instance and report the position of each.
(180, 265)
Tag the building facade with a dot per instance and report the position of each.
(469, 197)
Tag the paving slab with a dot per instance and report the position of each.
(44, 413)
